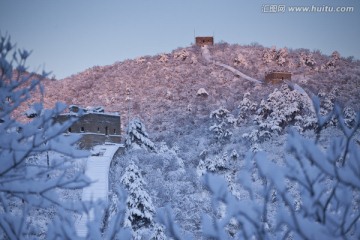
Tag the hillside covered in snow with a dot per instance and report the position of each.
(162, 89)
(211, 155)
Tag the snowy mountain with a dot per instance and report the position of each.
(162, 89)
(189, 114)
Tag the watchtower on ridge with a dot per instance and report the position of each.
(202, 41)
(277, 76)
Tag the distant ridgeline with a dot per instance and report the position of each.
(95, 125)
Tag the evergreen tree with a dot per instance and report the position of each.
(140, 209)
(137, 135)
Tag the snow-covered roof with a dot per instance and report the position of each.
(75, 110)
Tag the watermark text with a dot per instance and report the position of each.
(281, 8)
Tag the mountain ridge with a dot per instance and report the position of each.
(161, 88)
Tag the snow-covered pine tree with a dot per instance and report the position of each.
(213, 164)
(349, 116)
(137, 135)
(159, 233)
(140, 209)
(223, 121)
(328, 100)
(247, 107)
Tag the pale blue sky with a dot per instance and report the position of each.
(69, 36)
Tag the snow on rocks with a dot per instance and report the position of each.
(182, 54)
(163, 58)
(202, 92)
(168, 95)
(332, 63)
(140, 60)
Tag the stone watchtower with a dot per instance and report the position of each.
(95, 125)
(202, 41)
(277, 77)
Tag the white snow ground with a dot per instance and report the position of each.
(97, 169)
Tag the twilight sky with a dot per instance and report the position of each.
(69, 36)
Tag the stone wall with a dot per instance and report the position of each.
(88, 140)
(95, 128)
(277, 77)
